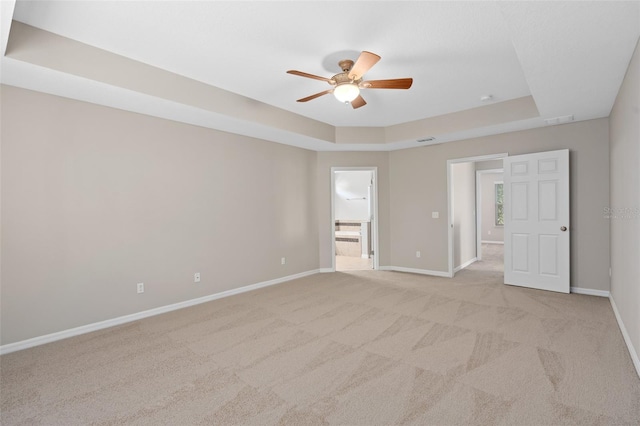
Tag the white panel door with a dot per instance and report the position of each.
(536, 220)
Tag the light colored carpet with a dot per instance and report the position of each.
(366, 347)
(492, 259)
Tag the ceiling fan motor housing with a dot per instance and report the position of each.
(343, 78)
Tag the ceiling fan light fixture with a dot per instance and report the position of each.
(346, 92)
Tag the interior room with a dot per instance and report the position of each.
(477, 198)
(353, 209)
(329, 213)
(490, 208)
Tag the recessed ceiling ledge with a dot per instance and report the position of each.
(484, 116)
(45, 49)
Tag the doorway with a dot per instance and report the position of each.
(354, 218)
(536, 241)
(490, 215)
(464, 214)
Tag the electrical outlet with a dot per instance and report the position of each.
(435, 215)
(488, 232)
(140, 288)
(418, 254)
(196, 277)
(283, 261)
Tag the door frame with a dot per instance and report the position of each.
(374, 222)
(450, 206)
(479, 174)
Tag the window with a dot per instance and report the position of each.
(499, 193)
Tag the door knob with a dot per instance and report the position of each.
(563, 228)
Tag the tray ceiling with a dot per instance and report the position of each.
(568, 58)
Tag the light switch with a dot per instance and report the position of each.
(435, 215)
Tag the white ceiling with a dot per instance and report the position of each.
(569, 56)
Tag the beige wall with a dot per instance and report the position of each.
(488, 229)
(625, 198)
(326, 160)
(418, 186)
(95, 200)
(463, 176)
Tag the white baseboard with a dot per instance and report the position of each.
(625, 335)
(415, 271)
(492, 242)
(590, 292)
(325, 270)
(48, 338)
(464, 265)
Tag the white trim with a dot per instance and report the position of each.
(492, 242)
(464, 265)
(589, 291)
(450, 219)
(374, 220)
(416, 271)
(48, 338)
(475, 159)
(450, 199)
(626, 337)
(325, 270)
(478, 214)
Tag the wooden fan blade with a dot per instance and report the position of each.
(358, 102)
(304, 74)
(317, 95)
(396, 83)
(363, 64)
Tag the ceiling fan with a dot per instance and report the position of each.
(347, 84)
